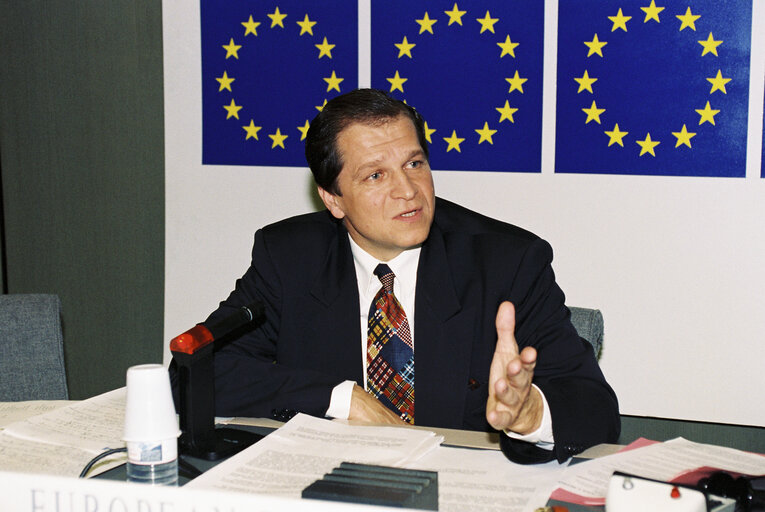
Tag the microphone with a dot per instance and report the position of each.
(202, 335)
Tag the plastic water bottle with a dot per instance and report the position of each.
(153, 463)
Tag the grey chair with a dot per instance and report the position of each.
(589, 324)
(31, 348)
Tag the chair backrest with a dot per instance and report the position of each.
(589, 324)
(31, 348)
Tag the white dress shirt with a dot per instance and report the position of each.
(404, 266)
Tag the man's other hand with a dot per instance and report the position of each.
(365, 407)
(513, 403)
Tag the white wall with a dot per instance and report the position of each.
(675, 264)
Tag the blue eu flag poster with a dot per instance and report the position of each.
(653, 87)
(473, 69)
(267, 70)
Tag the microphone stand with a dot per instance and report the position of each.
(194, 357)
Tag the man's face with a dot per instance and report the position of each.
(387, 200)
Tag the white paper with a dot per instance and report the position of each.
(660, 461)
(11, 412)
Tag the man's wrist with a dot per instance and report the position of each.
(340, 400)
(543, 435)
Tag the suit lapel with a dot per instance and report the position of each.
(443, 334)
(336, 290)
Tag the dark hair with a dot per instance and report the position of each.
(367, 106)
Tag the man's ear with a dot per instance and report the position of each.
(332, 202)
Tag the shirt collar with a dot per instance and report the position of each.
(404, 266)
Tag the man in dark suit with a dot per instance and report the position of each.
(492, 340)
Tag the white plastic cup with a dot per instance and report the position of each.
(151, 427)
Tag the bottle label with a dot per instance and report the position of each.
(154, 452)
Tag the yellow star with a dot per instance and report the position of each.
(485, 134)
(396, 82)
(231, 49)
(325, 49)
(651, 12)
(516, 83)
(506, 112)
(616, 136)
(585, 83)
(278, 139)
(487, 23)
(225, 82)
(718, 83)
(595, 46)
(455, 15)
(710, 45)
(688, 19)
(620, 21)
(593, 113)
(429, 131)
(321, 107)
(683, 137)
(304, 129)
(404, 48)
(647, 145)
(250, 26)
(426, 24)
(333, 82)
(454, 142)
(277, 18)
(306, 25)
(232, 109)
(508, 47)
(707, 114)
(252, 130)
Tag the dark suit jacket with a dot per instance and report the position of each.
(302, 270)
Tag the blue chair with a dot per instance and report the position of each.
(31, 348)
(589, 324)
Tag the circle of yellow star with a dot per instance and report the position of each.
(585, 83)
(710, 45)
(647, 145)
(718, 82)
(225, 82)
(277, 18)
(508, 47)
(487, 23)
(616, 136)
(455, 15)
(688, 19)
(304, 129)
(516, 82)
(707, 114)
(333, 82)
(251, 26)
(325, 49)
(454, 142)
(232, 49)
(595, 46)
(593, 113)
(321, 107)
(396, 82)
(485, 134)
(232, 110)
(506, 112)
(683, 137)
(619, 21)
(426, 24)
(306, 25)
(404, 48)
(652, 12)
(252, 130)
(278, 139)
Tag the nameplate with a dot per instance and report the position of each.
(24, 492)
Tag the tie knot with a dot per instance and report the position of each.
(386, 275)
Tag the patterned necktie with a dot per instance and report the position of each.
(390, 355)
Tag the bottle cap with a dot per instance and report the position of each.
(149, 409)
